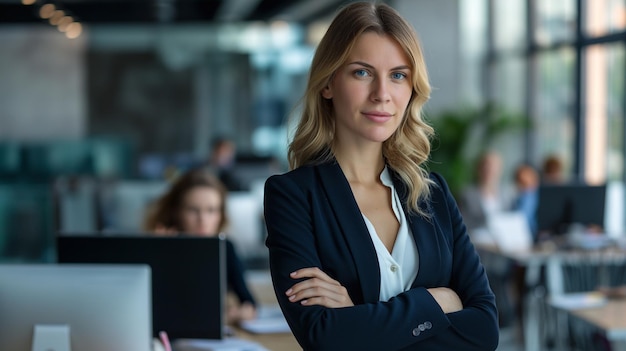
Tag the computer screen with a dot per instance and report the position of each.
(188, 276)
(105, 307)
(562, 205)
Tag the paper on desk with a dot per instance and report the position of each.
(266, 326)
(573, 301)
(269, 320)
(228, 344)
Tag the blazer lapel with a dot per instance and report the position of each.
(424, 234)
(353, 228)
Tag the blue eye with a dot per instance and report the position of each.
(361, 73)
(398, 75)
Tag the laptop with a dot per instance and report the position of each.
(188, 276)
(510, 231)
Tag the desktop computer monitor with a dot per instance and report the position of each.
(188, 276)
(562, 205)
(100, 307)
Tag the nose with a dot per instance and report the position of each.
(203, 219)
(380, 90)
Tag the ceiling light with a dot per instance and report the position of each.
(46, 11)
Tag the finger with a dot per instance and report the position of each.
(311, 283)
(322, 301)
(333, 300)
(163, 230)
(333, 292)
(313, 272)
(328, 300)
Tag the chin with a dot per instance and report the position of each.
(381, 135)
(204, 233)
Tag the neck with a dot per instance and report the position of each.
(489, 188)
(361, 167)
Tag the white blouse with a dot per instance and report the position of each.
(399, 268)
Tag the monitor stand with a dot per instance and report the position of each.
(51, 337)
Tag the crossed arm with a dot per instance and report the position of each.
(318, 288)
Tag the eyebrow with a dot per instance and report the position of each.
(403, 67)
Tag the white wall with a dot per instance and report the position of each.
(437, 26)
(42, 84)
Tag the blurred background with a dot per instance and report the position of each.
(103, 101)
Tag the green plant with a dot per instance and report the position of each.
(462, 134)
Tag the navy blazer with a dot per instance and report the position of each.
(313, 220)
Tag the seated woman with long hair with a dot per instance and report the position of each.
(195, 204)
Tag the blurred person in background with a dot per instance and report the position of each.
(485, 196)
(195, 204)
(527, 185)
(552, 170)
(222, 161)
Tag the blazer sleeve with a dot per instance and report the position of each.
(477, 323)
(411, 320)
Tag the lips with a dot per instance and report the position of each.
(378, 116)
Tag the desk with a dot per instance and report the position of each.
(260, 283)
(539, 286)
(610, 318)
(497, 264)
(272, 342)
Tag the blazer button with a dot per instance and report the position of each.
(421, 327)
(416, 332)
(428, 325)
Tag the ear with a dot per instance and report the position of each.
(327, 92)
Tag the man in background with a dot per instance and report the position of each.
(222, 162)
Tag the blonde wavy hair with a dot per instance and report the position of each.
(409, 147)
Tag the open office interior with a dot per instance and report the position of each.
(101, 111)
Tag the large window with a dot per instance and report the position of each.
(562, 62)
(603, 84)
(510, 81)
(604, 17)
(510, 25)
(555, 21)
(553, 108)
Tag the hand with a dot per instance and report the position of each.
(319, 289)
(162, 230)
(447, 299)
(247, 311)
(236, 313)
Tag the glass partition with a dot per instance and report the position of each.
(555, 21)
(604, 17)
(554, 101)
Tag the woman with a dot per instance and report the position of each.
(526, 180)
(485, 197)
(196, 205)
(367, 250)
(552, 170)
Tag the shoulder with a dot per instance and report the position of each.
(437, 178)
(302, 177)
(231, 251)
(439, 184)
(230, 247)
(294, 175)
(439, 191)
(292, 180)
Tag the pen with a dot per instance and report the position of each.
(165, 340)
